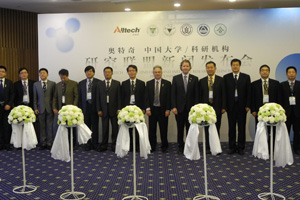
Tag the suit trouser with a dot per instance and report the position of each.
(237, 115)
(157, 115)
(218, 125)
(295, 121)
(114, 126)
(5, 128)
(46, 128)
(91, 119)
(182, 119)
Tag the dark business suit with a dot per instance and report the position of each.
(236, 108)
(158, 112)
(292, 111)
(43, 102)
(18, 93)
(183, 101)
(6, 98)
(91, 118)
(139, 93)
(219, 99)
(113, 103)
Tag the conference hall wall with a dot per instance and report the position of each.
(263, 36)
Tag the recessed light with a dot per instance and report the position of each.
(232, 0)
(177, 5)
(127, 9)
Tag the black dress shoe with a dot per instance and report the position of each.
(49, 147)
(102, 149)
(8, 148)
(180, 150)
(42, 147)
(87, 147)
(164, 150)
(208, 151)
(297, 152)
(241, 151)
(231, 151)
(1, 147)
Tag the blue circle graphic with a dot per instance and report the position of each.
(290, 60)
(51, 32)
(72, 25)
(65, 43)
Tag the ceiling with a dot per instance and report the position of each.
(82, 6)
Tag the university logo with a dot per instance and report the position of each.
(220, 29)
(203, 29)
(134, 31)
(169, 29)
(152, 30)
(186, 29)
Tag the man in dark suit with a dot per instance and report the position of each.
(184, 95)
(238, 94)
(158, 104)
(87, 102)
(113, 104)
(212, 92)
(23, 94)
(133, 93)
(290, 101)
(6, 103)
(43, 92)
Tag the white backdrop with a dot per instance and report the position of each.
(73, 41)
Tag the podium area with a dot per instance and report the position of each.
(163, 176)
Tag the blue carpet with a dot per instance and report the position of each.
(162, 176)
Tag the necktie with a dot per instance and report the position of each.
(24, 88)
(185, 83)
(235, 95)
(266, 92)
(44, 86)
(292, 88)
(156, 94)
(63, 88)
(1, 91)
(132, 88)
(210, 88)
(89, 86)
(235, 80)
(107, 86)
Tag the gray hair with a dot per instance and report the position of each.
(157, 66)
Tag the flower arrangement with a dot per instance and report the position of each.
(130, 115)
(202, 114)
(271, 113)
(70, 115)
(21, 114)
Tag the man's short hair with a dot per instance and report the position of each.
(43, 69)
(210, 62)
(184, 62)
(235, 60)
(63, 72)
(264, 66)
(88, 68)
(108, 67)
(157, 66)
(3, 67)
(132, 66)
(23, 68)
(291, 67)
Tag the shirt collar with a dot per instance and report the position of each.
(238, 74)
(263, 80)
(44, 81)
(187, 75)
(3, 80)
(87, 80)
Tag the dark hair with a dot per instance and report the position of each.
(291, 67)
(132, 66)
(236, 60)
(63, 72)
(184, 62)
(211, 62)
(264, 66)
(108, 67)
(2, 67)
(88, 68)
(23, 68)
(43, 69)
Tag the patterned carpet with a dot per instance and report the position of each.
(162, 176)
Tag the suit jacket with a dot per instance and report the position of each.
(101, 104)
(164, 95)
(82, 94)
(243, 90)
(257, 93)
(219, 95)
(71, 94)
(139, 93)
(18, 96)
(8, 92)
(114, 93)
(285, 94)
(180, 99)
(43, 100)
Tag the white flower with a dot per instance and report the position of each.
(202, 113)
(130, 114)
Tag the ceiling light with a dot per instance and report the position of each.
(232, 0)
(177, 5)
(127, 9)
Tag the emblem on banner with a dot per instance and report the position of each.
(169, 29)
(203, 29)
(220, 29)
(152, 30)
(186, 29)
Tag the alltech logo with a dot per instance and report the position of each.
(124, 30)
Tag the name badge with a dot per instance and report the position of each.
(107, 99)
(132, 99)
(210, 94)
(25, 98)
(89, 96)
(235, 93)
(292, 100)
(266, 99)
(63, 99)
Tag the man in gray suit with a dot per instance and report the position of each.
(43, 92)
